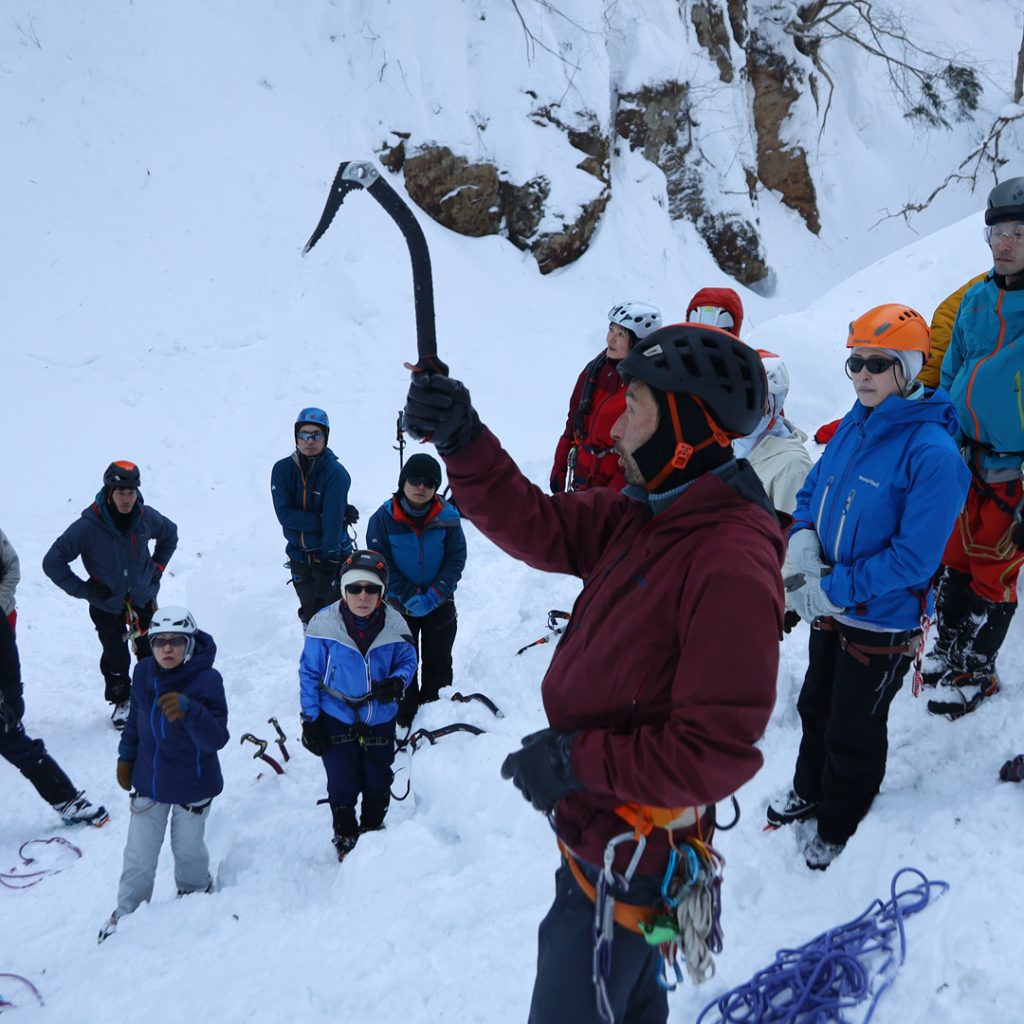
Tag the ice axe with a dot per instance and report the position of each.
(353, 174)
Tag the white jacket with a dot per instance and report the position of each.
(10, 574)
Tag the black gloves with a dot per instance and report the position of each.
(351, 515)
(789, 621)
(1013, 771)
(438, 409)
(541, 770)
(97, 591)
(11, 710)
(314, 737)
(558, 483)
(387, 691)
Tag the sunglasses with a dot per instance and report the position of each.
(421, 481)
(374, 589)
(875, 364)
(159, 642)
(311, 435)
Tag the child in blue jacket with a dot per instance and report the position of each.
(177, 722)
(357, 660)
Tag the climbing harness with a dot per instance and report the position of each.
(483, 699)
(18, 878)
(833, 972)
(6, 1003)
(261, 751)
(554, 630)
(281, 738)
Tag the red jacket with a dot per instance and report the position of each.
(667, 667)
(607, 404)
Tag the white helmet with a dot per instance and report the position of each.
(639, 317)
(777, 374)
(175, 620)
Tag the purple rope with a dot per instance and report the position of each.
(816, 982)
(4, 1001)
(17, 879)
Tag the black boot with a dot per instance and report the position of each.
(346, 831)
(952, 600)
(375, 807)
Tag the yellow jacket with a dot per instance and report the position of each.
(942, 330)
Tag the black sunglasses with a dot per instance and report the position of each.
(421, 481)
(359, 588)
(875, 364)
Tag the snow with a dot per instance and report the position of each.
(161, 173)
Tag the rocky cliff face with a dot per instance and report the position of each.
(733, 56)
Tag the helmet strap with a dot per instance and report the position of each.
(684, 451)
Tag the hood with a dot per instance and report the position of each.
(100, 510)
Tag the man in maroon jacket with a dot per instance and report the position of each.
(664, 680)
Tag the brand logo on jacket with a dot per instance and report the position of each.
(868, 480)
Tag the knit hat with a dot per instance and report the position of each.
(421, 467)
(720, 298)
(910, 361)
(364, 566)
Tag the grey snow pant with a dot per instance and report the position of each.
(145, 837)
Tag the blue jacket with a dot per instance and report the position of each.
(983, 368)
(311, 510)
(423, 555)
(120, 560)
(331, 668)
(883, 499)
(176, 762)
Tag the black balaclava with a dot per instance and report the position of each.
(122, 520)
(655, 453)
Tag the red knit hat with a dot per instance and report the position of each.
(722, 298)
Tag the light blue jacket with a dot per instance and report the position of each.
(334, 676)
(883, 499)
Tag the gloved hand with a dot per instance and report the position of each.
(174, 705)
(804, 554)
(387, 691)
(351, 515)
(314, 737)
(124, 774)
(1013, 771)
(158, 571)
(790, 621)
(807, 598)
(558, 483)
(541, 770)
(438, 409)
(10, 712)
(423, 604)
(97, 591)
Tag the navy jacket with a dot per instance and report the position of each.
(311, 510)
(424, 554)
(883, 499)
(120, 560)
(176, 762)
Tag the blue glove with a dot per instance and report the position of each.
(423, 604)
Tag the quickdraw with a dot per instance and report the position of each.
(261, 751)
(132, 631)
(281, 738)
(20, 879)
(554, 630)
(483, 699)
(6, 1003)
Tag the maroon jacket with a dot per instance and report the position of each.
(667, 667)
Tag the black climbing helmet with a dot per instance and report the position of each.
(365, 565)
(1006, 201)
(708, 363)
(122, 475)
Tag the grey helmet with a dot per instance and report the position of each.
(1006, 201)
(639, 317)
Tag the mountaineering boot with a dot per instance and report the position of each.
(786, 807)
(819, 853)
(374, 808)
(117, 687)
(952, 601)
(345, 845)
(346, 831)
(119, 715)
(960, 693)
(78, 811)
(108, 929)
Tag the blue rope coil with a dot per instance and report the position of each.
(817, 982)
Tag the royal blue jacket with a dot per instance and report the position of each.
(176, 762)
(311, 510)
(422, 554)
(883, 499)
(332, 669)
(120, 560)
(982, 371)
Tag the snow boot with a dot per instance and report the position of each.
(952, 603)
(78, 811)
(786, 807)
(119, 715)
(819, 853)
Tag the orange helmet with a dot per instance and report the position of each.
(892, 326)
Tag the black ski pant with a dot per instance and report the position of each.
(358, 759)
(316, 587)
(844, 709)
(29, 756)
(433, 636)
(115, 661)
(564, 988)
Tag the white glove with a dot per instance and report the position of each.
(805, 596)
(804, 554)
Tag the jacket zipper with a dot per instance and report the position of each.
(821, 505)
(842, 523)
